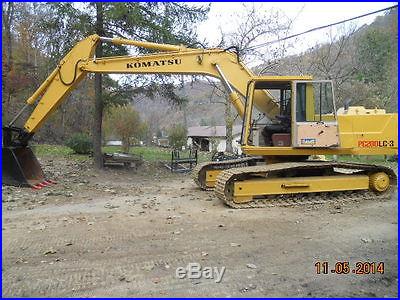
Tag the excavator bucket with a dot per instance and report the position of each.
(20, 167)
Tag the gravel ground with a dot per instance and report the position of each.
(124, 233)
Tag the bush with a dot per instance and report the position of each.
(80, 143)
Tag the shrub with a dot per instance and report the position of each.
(80, 143)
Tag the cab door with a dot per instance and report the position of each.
(314, 121)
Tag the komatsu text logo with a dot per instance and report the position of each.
(154, 63)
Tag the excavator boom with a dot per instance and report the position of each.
(217, 63)
(171, 59)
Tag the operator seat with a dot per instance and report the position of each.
(282, 127)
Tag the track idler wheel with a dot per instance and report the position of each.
(379, 182)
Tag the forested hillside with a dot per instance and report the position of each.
(361, 62)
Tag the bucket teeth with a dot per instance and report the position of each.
(36, 187)
(43, 184)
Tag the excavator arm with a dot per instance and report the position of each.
(217, 63)
(20, 165)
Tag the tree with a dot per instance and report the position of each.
(177, 136)
(20, 57)
(374, 53)
(98, 102)
(124, 122)
(162, 22)
(362, 62)
(8, 18)
(253, 26)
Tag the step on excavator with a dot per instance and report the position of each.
(285, 121)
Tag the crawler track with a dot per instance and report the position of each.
(226, 179)
(199, 172)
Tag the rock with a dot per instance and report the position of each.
(110, 206)
(21, 260)
(366, 240)
(147, 267)
(68, 243)
(40, 227)
(90, 223)
(123, 278)
(221, 225)
(50, 251)
(248, 288)
(251, 266)
(156, 280)
(235, 245)
(204, 253)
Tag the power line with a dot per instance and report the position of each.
(318, 28)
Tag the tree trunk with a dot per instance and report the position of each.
(125, 144)
(98, 106)
(8, 17)
(229, 126)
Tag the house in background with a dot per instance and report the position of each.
(207, 138)
(114, 143)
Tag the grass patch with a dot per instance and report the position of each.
(152, 153)
(373, 159)
(47, 150)
(149, 153)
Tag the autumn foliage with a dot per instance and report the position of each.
(123, 122)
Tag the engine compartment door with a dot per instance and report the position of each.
(314, 121)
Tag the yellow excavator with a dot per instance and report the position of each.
(286, 120)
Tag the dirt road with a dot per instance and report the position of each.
(123, 234)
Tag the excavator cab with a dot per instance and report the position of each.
(307, 114)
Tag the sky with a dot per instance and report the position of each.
(307, 15)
